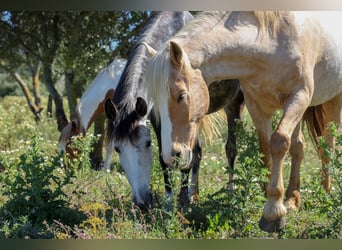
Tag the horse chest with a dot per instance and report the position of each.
(270, 97)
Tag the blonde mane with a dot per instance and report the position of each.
(270, 22)
(157, 73)
(159, 70)
(203, 22)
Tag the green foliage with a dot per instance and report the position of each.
(42, 198)
(331, 203)
(237, 209)
(33, 185)
(82, 146)
(8, 87)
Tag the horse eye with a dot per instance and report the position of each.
(148, 144)
(117, 149)
(181, 97)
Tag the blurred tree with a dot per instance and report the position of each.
(11, 60)
(66, 42)
(73, 44)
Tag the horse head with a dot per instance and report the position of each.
(181, 100)
(131, 139)
(70, 130)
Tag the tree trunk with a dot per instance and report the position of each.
(70, 89)
(35, 81)
(34, 109)
(96, 154)
(60, 115)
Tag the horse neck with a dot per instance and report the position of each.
(158, 29)
(209, 52)
(130, 86)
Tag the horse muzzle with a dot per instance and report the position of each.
(180, 159)
(144, 201)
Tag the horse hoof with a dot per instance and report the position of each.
(273, 225)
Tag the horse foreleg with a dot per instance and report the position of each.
(274, 211)
(296, 151)
(189, 191)
(169, 197)
(194, 186)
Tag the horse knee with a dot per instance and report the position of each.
(279, 144)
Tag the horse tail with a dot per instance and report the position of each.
(315, 119)
(212, 126)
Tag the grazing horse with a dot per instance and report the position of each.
(284, 60)
(129, 109)
(91, 105)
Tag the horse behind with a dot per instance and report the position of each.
(284, 60)
(91, 105)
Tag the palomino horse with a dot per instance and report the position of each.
(91, 105)
(128, 111)
(284, 60)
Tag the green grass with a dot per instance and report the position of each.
(41, 199)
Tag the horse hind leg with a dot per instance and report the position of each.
(330, 113)
(292, 194)
(233, 113)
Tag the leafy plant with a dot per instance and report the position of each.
(34, 186)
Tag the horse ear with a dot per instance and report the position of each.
(141, 107)
(151, 51)
(110, 109)
(176, 53)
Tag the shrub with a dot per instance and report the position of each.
(33, 185)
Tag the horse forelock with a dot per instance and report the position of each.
(159, 72)
(156, 75)
(124, 126)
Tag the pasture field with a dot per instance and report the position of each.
(39, 198)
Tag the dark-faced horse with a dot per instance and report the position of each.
(91, 105)
(284, 60)
(130, 107)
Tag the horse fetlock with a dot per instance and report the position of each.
(292, 200)
(274, 209)
(273, 218)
